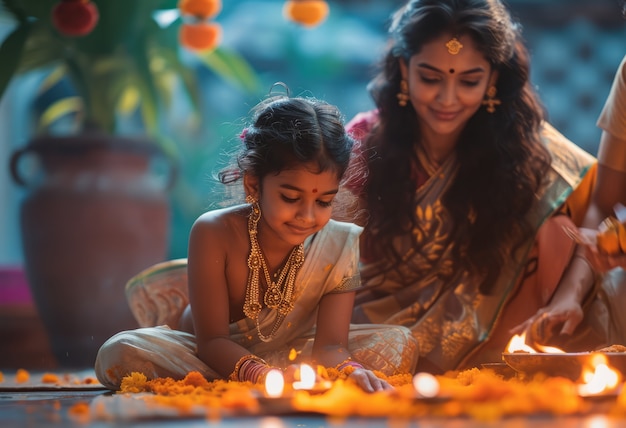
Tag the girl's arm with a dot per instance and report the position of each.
(208, 294)
(331, 339)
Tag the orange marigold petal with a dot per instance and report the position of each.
(196, 379)
(203, 36)
(201, 8)
(306, 12)
(22, 376)
(49, 378)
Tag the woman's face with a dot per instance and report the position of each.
(295, 204)
(446, 89)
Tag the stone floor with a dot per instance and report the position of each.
(50, 409)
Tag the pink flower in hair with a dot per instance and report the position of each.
(243, 134)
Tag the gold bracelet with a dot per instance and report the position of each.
(234, 376)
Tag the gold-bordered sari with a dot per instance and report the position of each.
(455, 325)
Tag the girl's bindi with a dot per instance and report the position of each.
(452, 71)
(314, 190)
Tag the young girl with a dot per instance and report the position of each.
(266, 277)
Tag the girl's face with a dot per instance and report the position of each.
(446, 89)
(295, 204)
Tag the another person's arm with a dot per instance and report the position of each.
(610, 186)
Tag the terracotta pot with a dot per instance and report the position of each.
(96, 213)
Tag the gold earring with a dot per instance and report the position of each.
(403, 95)
(255, 210)
(490, 99)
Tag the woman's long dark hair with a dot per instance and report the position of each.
(501, 160)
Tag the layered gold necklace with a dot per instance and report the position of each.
(279, 293)
(429, 166)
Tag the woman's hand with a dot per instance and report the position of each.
(559, 318)
(368, 381)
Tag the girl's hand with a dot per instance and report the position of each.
(368, 381)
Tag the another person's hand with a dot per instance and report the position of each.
(601, 262)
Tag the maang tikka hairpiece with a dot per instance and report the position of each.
(454, 46)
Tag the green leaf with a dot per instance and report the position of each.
(11, 52)
(231, 67)
(59, 109)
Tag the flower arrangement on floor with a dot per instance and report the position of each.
(479, 394)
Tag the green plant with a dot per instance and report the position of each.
(130, 62)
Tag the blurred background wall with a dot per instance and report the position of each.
(576, 46)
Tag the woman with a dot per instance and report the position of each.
(266, 277)
(463, 184)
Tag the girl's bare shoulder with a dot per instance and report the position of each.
(222, 223)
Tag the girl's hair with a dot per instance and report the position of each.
(291, 131)
(501, 160)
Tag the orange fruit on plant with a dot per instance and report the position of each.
(201, 8)
(201, 37)
(308, 13)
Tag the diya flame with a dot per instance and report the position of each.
(597, 376)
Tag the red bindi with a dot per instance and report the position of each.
(314, 190)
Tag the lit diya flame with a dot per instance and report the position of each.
(274, 383)
(426, 385)
(518, 344)
(598, 377)
(307, 378)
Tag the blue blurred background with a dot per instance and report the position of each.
(576, 46)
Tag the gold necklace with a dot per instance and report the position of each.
(279, 293)
(429, 166)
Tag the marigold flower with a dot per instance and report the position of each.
(75, 17)
(201, 8)
(202, 36)
(49, 378)
(308, 13)
(22, 376)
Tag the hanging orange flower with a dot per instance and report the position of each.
(75, 17)
(308, 13)
(203, 9)
(201, 36)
